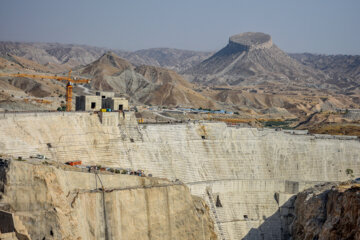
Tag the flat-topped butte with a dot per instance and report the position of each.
(252, 40)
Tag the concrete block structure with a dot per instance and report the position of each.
(104, 95)
(116, 103)
(101, 100)
(88, 103)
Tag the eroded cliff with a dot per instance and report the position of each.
(328, 212)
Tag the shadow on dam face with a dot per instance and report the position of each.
(277, 226)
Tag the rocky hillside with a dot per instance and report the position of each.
(262, 78)
(107, 65)
(250, 59)
(61, 57)
(344, 69)
(13, 63)
(328, 212)
(174, 59)
(143, 84)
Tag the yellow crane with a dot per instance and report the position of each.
(68, 78)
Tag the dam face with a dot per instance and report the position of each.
(246, 175)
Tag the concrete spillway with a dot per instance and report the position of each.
(246, 175)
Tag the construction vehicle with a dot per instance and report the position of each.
(73, 163)
(68, 78)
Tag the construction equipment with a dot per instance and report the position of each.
(73, 163)
(68, 78)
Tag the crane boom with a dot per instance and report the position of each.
(59, 78)
(69, 80)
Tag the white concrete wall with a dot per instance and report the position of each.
(70, 205)
(245, 166)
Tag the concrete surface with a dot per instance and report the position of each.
(245, 167)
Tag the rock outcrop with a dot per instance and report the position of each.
(328, 212)
(250, 41)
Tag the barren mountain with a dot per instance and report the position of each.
(250, 59)
(174, 59)
(143, 84)
(68, 55)
(61, 57)
(24, 94)
(343, 69)
(172, 89)
(263, 80)
(107, 65)
(25, 64)
(9, 65)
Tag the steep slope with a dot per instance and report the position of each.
(252, 58)
(26, 64)
(107, 65)
(24, 94)
(144, 84)
(328, 212)
(9, 65)
(172, 89)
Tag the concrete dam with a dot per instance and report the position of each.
(246, 176)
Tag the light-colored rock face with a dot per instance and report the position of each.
(245, 167)
(57, 204)
(252, 40)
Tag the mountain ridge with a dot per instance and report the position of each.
(250, 59)
(142, 84)
(66, 56)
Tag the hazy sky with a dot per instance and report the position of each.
(318, 26)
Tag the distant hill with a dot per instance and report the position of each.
(142, 84)
(62, 57)
(343, 69)
(174, 59)
(251, 59)
(249, 75)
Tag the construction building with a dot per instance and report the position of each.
(105, 100)
(116, 103)
(88, 103)
(105, 94)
